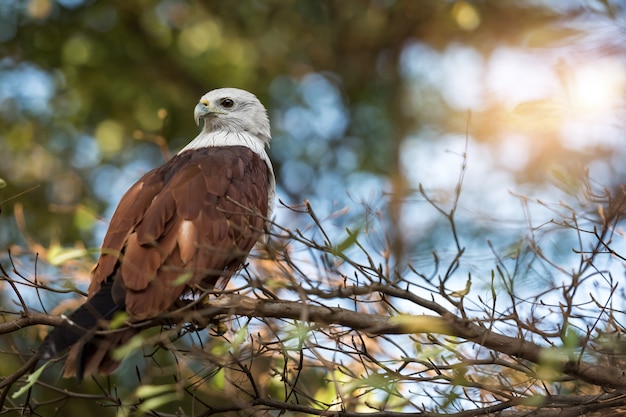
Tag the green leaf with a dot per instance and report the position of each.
(534, 401)
(182, 279)
(156, 395)
(32, 379)
(84, 219)
(58, 255)
(570, 339)
(156, 402)
(125, 350)
(348, 241)
(146, 391)
(551, 362)
(119, 319)
(240, 337)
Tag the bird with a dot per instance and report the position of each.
(183, 228)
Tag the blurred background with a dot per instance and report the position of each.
(374, 104)
(368, 99)
(522, 101)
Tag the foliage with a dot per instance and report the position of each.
(312, 330)
(424, 259)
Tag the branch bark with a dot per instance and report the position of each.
(446, 324)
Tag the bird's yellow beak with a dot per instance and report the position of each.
(202, 110)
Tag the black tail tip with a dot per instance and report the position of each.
(48, 349)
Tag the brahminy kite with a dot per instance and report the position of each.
(182, 229)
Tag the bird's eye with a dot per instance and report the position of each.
(227, 103)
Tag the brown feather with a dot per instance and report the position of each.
(199, 214)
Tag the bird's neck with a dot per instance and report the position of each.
(227, 138)
(207, 139)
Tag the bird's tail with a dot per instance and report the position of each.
(94, 357)
(79, 332)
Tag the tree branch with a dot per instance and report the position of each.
(447, 324)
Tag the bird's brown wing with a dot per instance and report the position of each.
(186, 224)
(129, 212)
(199, 213)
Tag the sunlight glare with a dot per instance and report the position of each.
(597, 87)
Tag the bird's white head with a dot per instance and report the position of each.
(233, 110)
